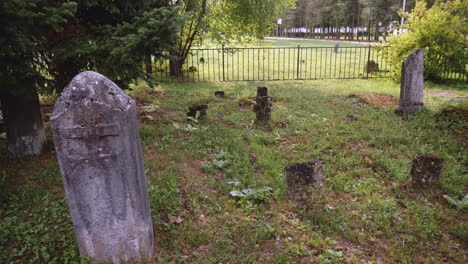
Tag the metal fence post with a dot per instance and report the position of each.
(368, 59)
(298, 61)
(222, 51)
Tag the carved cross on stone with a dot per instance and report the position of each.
(94, 139)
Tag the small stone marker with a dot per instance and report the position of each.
(412, 84)
(197, 111)
(220, 94)
(336, 48)
(426, 169)
(262, 91)
(301, 177)
(371, 66)
(98, 147)
(263, 106)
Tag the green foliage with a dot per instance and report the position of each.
(440, 31)
(46, 43)
(24, 30)
(36, 232)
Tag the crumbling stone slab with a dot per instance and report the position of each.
(96, 137)
(197, 111)
(426, 168)
(412, 84)
(301, 178)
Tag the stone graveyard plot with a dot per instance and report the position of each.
(95, 131)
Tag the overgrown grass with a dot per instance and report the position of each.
(367, 211)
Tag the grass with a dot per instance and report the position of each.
(272, 59)
(367, 211)
(306, 43)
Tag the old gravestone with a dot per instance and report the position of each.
(262, 91)
(197, 111)
(336, 48)
(412, 84)
(98, 148)
(426, 169)
(371, 66)
(301, 178)
(220, 94)
(263, 106)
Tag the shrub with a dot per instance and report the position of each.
(441, 31)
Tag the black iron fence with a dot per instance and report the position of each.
(279, 63)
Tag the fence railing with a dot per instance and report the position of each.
(278, 63)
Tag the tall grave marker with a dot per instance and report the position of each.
(98, 148)
(412, 84)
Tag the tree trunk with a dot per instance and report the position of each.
(149, 65)
(376, 33)
(175, 67)
(23, 121)
(175, 64)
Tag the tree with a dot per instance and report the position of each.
(440, 31)
(224, 21)
(46, 43)
(24, 26)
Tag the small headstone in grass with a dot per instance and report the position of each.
(412, 84)
(426, 168)
(336, 48)
(262, 109)
(263, 106)
(262, 91)
(220, 94)
(302, 178)
(371, 66)
(197, 111)
(350, 118)
(95, 130)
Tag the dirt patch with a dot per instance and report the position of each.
(155, 115)
(147, 97)
(378, 100)
(453, 114)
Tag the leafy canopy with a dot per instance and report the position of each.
(441, 31)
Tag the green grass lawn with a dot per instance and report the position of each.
(367, 211)
(306, 43)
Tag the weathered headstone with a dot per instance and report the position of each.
(98, 147)
(371, 66)
(336, 48)
(220, 94)
(263, 106)
(197, 111)
(262, 91)
(301, 178)
(412, 84)
(426, 168)
(262, 109)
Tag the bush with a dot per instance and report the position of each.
(440, 31)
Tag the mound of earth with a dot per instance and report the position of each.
(379, 100)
